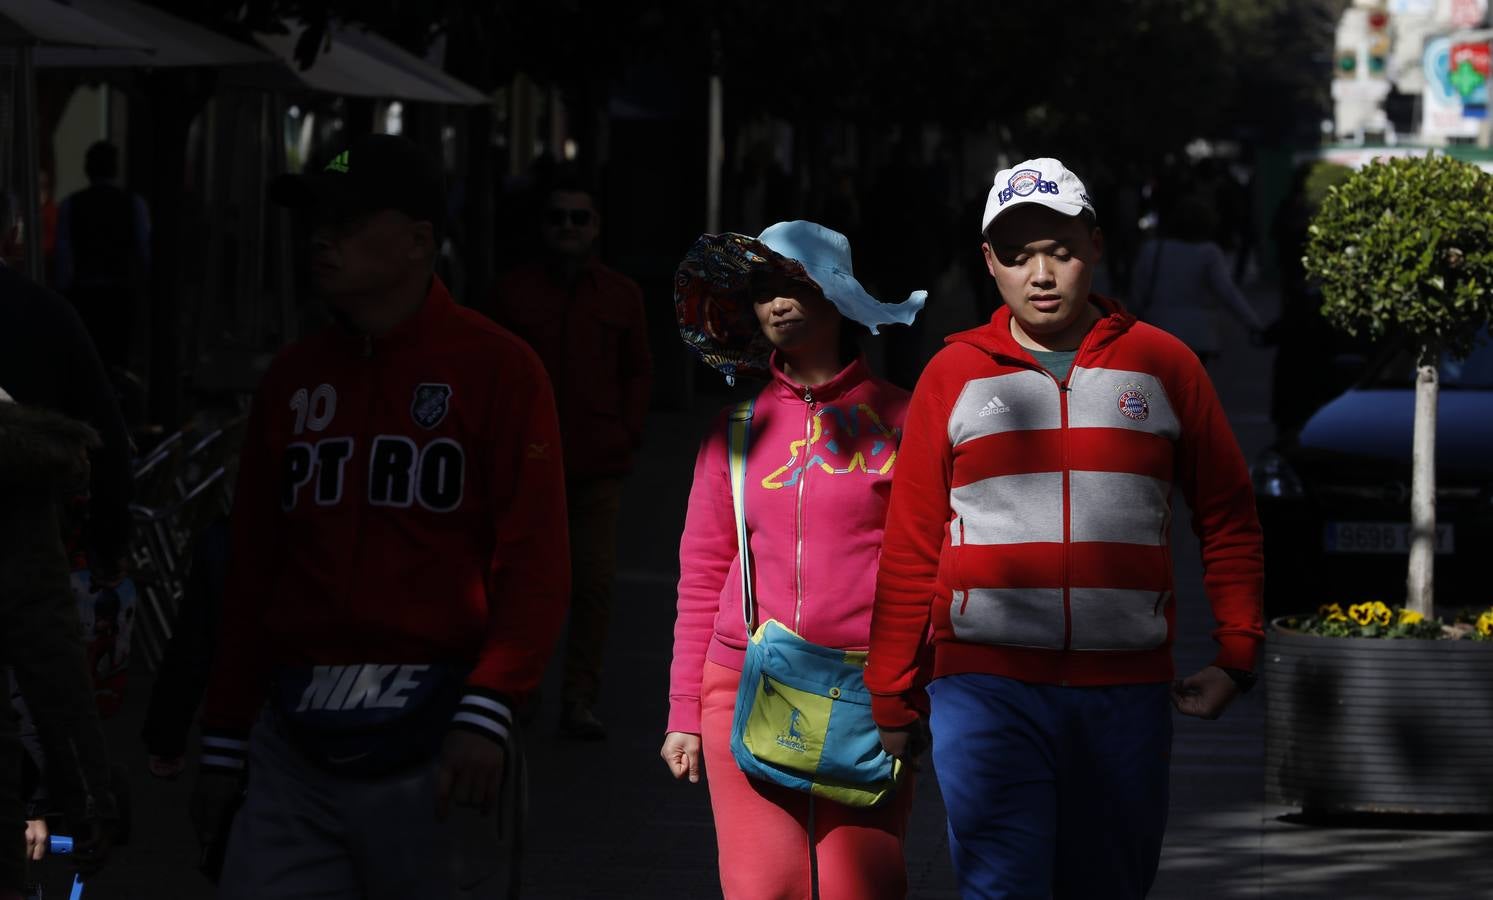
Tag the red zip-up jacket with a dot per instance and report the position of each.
(1030, 519)
(400, 500)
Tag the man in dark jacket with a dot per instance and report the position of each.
(43, 460)
(53, 383)
(102, 254)
(48, 361)
(586, 323)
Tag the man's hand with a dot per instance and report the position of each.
(36, 839)
(471, 772)
(1205, 695)
(214, 798)
(906, 743)
(681, 753)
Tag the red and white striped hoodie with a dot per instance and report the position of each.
(1030, 518)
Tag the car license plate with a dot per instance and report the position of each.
(1380, 537)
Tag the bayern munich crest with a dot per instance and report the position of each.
(1024, 181)
(1134, 405)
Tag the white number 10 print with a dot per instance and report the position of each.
(314, 410)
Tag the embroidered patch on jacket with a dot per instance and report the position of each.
(430, 405)
(1133, 405)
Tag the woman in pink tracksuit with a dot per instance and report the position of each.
(824, 439)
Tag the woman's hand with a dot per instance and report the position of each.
(681, 753)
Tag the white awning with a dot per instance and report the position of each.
(361, 64)
(173, 41)
(49, 23)
(379, 46)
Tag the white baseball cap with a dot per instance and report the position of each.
(1044, 180)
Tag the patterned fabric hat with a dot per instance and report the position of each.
(713, 291)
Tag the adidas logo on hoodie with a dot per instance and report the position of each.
(994, 406)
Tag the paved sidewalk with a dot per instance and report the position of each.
(1224, 841)
(608, 822)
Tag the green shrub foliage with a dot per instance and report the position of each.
(1323, 177)
(1405, 246)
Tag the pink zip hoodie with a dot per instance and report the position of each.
(819, 475)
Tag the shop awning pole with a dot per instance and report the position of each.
(27, 168)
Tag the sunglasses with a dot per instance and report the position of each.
(557, 217)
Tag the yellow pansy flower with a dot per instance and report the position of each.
(1362, 613)
(1381, 614)
(1485, 624)
(1411, 617)
(1331, 612)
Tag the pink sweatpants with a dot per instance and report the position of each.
(762, 830)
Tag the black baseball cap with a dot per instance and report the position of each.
(375, 172)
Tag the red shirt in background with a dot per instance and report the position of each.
(593, 341)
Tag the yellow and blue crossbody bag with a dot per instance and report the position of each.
(803, 714)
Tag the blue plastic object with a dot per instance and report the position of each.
(62, 845)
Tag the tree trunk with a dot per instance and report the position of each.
(1423, 490)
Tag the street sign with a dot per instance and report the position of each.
(1468, 70)
(1443, 112)
(1469, 13)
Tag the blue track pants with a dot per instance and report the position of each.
(1052, 792)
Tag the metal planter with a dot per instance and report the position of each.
(1371, 725)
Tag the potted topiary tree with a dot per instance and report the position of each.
(1361, 716)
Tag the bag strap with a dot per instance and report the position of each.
(739, 431)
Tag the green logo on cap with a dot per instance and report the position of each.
(338, 163)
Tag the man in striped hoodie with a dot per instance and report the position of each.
(1029, 536)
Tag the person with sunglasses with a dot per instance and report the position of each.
(585, 320)
(823, 447)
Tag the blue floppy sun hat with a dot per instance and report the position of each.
(713, 294)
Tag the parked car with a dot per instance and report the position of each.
(1334, 500)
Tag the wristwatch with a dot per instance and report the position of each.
(1243, 678)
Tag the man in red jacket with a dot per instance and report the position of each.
(1029, 533)
(398, 570)
(586, 322)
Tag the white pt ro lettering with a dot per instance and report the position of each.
(399, 472)
(442, 467)
(391, 470)
(331, 454)
(295, 472)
